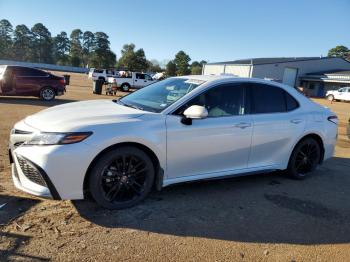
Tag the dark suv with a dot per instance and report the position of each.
(26, 81)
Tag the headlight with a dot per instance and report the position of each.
(58, 138)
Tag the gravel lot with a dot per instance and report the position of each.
(256, 218)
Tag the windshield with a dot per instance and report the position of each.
(160, 95)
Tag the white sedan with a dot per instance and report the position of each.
(177, 130)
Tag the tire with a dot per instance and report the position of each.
(47, 94)
(330, 97)
(121, 178)
(125, 87)
(304, 159)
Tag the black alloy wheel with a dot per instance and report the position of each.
(122, 178)
(305, 158)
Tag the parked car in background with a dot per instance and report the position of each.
(177, 130)
(342, 94)
(102, 74)
(127, 80)
(26, 81)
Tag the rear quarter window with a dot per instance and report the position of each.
(291, 102)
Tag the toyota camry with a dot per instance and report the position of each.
(177, 130)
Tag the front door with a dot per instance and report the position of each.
(29, 80)
(218, 143)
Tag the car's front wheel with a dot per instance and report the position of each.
(121, 178)
(304, 159)
(47, 94)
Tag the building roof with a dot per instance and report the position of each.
(336, 72)
(337, 76)
(268, 60)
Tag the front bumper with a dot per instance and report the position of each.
(31, 179)
(55, 171)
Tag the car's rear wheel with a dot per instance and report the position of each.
(121, 178)
(330, 97)
(125, 87)
(304, 159)
(47, 94)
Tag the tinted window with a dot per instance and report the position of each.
(225, 100)
(291, 102)
(267, 99)
(29, 72)
(140, 76)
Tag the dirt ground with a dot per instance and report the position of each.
(256, 218)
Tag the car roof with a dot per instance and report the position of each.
(208, 79)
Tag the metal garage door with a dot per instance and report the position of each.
(213, 69)
(290, 76)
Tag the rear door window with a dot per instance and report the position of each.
(267, 99)
(140, 76)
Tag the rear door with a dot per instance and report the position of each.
(278, 121)
(139, 80)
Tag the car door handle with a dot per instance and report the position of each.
(243, 125)
(296, 121)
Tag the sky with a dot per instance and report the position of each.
(217, 30)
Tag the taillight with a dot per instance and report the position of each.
(62, 81)
(333, 119)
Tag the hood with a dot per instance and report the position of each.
(77, 115)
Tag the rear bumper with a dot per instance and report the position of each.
(60, 91)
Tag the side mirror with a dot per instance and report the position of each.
(194, 112)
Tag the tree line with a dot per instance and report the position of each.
(38, 45)
(82, 49)
(340, 51)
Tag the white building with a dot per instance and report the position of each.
(294, 71)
